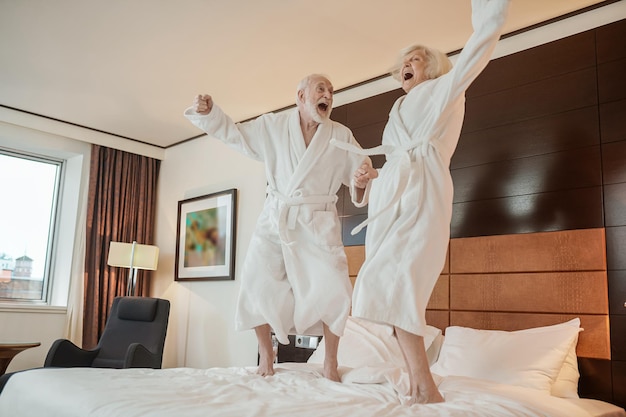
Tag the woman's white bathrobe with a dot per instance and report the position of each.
(295, 275)
(410, 203)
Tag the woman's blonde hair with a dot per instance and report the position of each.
(437, 63)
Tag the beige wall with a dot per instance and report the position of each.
(31, 325)
(201, 331)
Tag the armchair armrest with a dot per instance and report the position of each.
(66, 354)
(138, 356)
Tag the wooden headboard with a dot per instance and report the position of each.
(512, 282)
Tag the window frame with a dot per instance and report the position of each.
(52, 223)
(67, 252)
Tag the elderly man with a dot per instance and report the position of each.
(295, 276)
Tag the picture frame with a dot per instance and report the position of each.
(206, 236)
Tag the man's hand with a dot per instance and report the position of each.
(203, 104)
(364, 174)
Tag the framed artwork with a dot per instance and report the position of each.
(205, 239)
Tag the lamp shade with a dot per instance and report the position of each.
(144, 256)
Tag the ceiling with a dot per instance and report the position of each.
(130, 68)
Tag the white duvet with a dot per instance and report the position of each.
(295, 389)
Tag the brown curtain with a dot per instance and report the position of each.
(121, 208)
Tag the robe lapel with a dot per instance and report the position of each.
(310, 155)
(296, 139)
(398, 123)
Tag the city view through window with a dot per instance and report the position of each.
(28, 195)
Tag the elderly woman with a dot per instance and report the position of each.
(410, 204)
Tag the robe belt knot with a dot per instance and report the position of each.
(398, 154)
(290, 209)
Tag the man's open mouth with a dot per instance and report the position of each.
(322, 106)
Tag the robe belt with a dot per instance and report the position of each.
(399, 154)
(290, 209)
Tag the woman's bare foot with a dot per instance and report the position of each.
(330, 372)
(427, 397)
(423, 389)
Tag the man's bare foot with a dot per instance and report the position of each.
(266, 367)
(331, 343)
(266, 351)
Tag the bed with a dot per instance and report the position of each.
(480, 373)
(510, 320)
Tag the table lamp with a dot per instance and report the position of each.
(133, 256)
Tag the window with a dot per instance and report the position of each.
(30, 188)
(54, 145)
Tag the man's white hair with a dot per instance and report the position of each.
(304, 83)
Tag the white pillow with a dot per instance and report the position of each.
(435, 348)
(530, 358)
(366, 343)
(566, 384)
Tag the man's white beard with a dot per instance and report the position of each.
(311, 108)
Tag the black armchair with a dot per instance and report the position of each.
(133, 337)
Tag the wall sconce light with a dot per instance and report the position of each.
(133, 256)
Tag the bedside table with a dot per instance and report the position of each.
(9, 350)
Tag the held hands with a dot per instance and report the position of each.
(203, 104)
(364, 174)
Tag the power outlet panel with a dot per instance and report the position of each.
(307, 342)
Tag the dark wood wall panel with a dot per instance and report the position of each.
(611, 81)
(371, 110)
(612, 121)
(618, 336)
(340, 114)
(610, 41)
(617, 292)
(370, 136)
(579, 208)
(614, 161)
(552, 59)
(619, 383)
(595, 379)
(615, 248)
(575, 168)
(615, 206)
(551, 133)
(555, 95)
(611, 46)
(612, 95)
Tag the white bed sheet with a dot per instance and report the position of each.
(597, 408)
(295, 389)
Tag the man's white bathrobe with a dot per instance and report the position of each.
(295, 275)
(410, 203)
